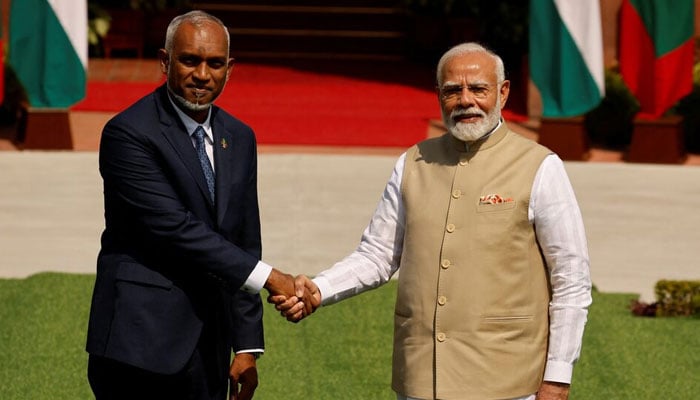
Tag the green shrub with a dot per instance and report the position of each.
(610, 125)
(677, 298)
(689, 108)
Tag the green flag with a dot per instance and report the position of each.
(48, 50)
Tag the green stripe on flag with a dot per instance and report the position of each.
(43, 57)
(556, 65)
(660, 18)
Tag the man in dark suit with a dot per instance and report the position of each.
(179, 270)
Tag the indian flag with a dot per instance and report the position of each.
(48, 50)
(656, 52)
(566, 55)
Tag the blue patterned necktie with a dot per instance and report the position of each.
(204, 159)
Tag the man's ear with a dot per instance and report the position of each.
(231, 63)
(505, 91)
(164, 60)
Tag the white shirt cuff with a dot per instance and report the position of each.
(324, 287)
(558, 371)
(256, 280)
(256, 352)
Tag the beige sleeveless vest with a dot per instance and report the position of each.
(471, 318)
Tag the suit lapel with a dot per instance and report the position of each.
(180, 140)
(223, 158)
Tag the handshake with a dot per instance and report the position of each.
(295, 298)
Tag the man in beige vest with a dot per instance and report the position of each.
(484, 225)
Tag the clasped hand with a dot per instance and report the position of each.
(300, 303)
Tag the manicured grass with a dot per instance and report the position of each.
(341, 352)
(641, 358)
(42, 336)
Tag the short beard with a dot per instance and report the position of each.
(190, 105)
(469, 132)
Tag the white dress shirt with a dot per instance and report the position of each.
(553, 210)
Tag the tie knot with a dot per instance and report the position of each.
(199, 133)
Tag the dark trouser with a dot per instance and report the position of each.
(112, 380)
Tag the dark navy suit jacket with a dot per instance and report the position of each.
(171, 263)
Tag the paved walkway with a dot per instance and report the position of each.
(641, 220)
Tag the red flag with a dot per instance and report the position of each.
(656, 52)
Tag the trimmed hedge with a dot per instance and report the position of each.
(677, 298)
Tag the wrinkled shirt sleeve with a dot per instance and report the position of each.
(378, 255)
(558, 223)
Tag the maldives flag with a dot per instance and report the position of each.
(656, 52)
(566, 55)
(48, 50)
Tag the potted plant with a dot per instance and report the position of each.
(146, 20)
(610, 125)
(98, 25)
(689, 108)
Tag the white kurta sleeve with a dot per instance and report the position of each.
(378, 255)
(561, 235)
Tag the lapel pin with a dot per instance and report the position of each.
(224, 144)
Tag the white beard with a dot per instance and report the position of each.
(469, 132)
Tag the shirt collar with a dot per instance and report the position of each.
(190, 124)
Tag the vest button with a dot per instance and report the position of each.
(442, 300)
(441, 337)
(450, 228)
(445, 264)
(456, 193)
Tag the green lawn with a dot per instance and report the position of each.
(342, 352)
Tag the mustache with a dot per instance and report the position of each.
(458, 112)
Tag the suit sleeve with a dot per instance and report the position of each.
(247, 322)
(247, 309)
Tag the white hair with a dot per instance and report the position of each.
(196, 18)
(465, 48)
